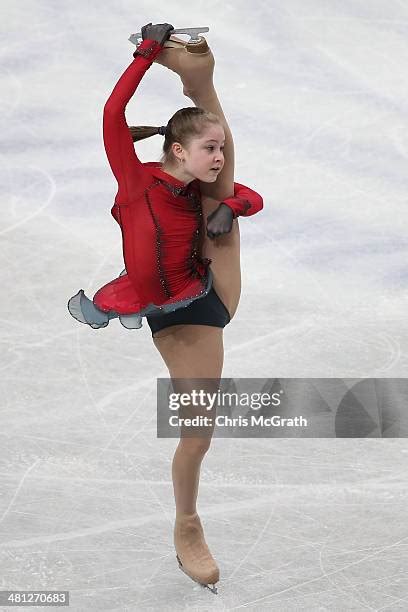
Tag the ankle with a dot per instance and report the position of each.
(201, 94)
(180, 516)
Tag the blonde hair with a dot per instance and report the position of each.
(185, 125)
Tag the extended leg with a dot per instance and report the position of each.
(196, 71)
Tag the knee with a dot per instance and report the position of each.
(196, 447)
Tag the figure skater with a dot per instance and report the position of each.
(159, 207)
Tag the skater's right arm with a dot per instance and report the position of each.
(118, 142)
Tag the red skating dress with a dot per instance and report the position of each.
(160, 219)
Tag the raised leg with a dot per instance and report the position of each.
(196, 73)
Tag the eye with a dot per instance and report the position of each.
(210, 147)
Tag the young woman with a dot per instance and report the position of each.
(159, 207)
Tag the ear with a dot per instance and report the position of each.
(177, 149)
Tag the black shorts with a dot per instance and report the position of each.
(209, 310)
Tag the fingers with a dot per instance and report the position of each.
(218, 232)
(212, 233)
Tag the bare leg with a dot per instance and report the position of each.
(187, 463)
(224, 251)
(196, 73)
(192, 353)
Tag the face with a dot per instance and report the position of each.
(205, 153)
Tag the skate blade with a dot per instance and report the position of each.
(192, 32)
(213, 589)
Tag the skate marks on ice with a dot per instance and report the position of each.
(324, 523)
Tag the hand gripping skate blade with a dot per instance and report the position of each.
(213, 589)
(192, 32)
